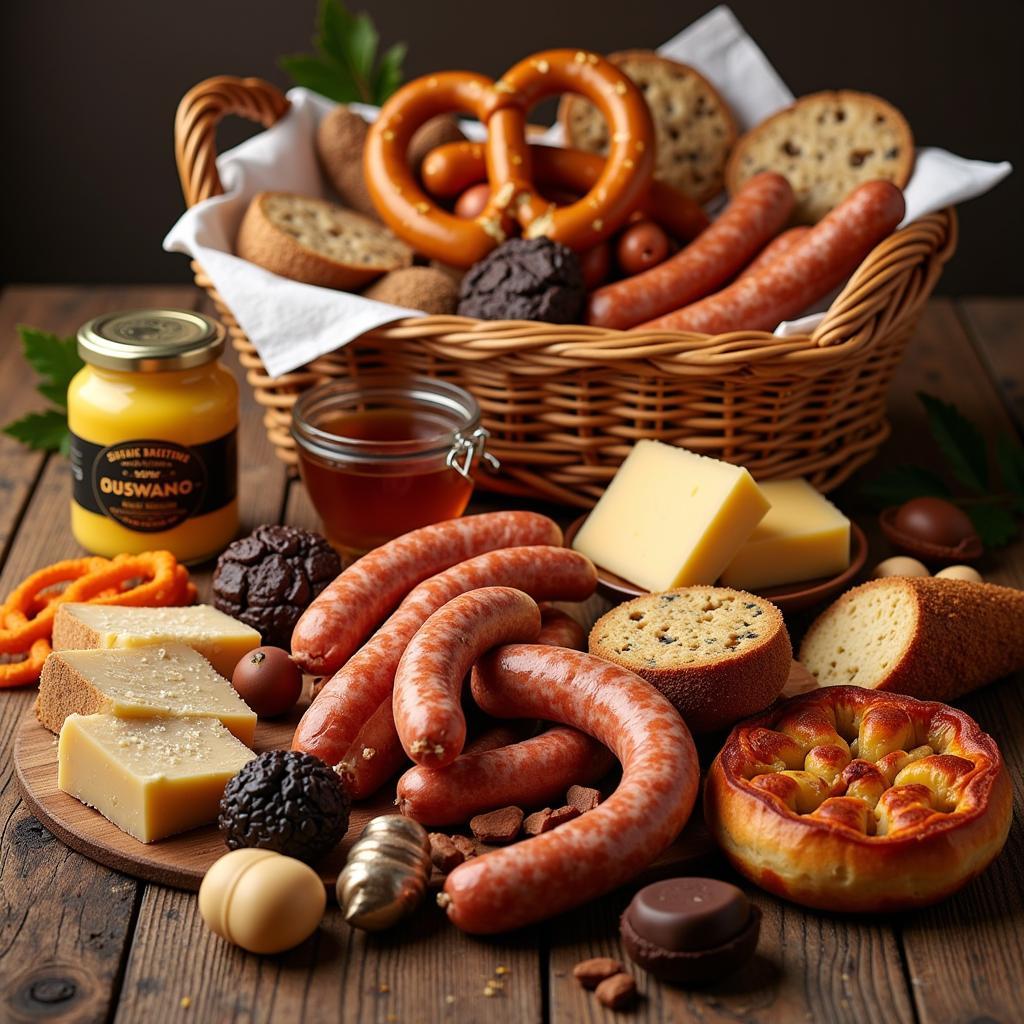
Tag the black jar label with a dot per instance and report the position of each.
(150, 486)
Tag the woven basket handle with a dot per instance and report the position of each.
(195, 126)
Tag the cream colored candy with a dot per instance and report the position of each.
(261, 900)
(899, 565)
(961, 572)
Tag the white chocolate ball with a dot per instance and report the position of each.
(261, 900)
(899, 565)
(961, 572)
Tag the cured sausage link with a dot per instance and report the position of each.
(343, 615)
(332, 722)
(428, 683)
(593, 854)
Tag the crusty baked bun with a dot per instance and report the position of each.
(425, 288)
(693, 127)
(852, 800)
(340, 138)
(317, 242)
(436, 131)
(928, 637)
(717, 654)
(825, 145)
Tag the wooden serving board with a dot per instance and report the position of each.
(182, 861)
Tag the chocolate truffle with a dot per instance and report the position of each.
(525, 279)
(691, 931)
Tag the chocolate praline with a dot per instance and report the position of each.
(690, 931)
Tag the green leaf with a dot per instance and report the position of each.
(44, 431)
(56, 360)
(389, 72)
(362, 49)
(995, 524)
(328, 79)
(1010, 459)
(959, 440)
(901, 483)
(334, 26)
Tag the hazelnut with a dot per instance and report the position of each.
(899, 565)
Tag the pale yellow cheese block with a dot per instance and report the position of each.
(171, 680)
(803, 537)
(152, 777)
(671, 518)
(219, 638)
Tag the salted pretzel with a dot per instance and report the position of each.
(502, 106)
(854, 800)
(452, 168)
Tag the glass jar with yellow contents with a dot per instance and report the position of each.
(153, 418)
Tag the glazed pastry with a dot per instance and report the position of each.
(851, 800)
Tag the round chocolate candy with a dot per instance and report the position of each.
(691, 931)
(934, 521)
(268, 681)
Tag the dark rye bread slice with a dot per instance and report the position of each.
(930, 638)
(825, 145)
(717, 654)
(694, 129)
(317, 242)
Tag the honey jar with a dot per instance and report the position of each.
(382, 455)
(153, 418)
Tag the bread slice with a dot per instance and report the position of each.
(931, 638)
(317, 242)
(826, 144)
(717, 654)
(694, 128)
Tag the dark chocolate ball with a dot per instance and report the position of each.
(268, 681)
(934, 521)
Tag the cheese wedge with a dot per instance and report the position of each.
(152, 777)
(169, 681)
(803, 537)
(671, 518)
(219, 638)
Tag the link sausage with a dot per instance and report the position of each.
(587, 857)
(343, 615)
(559, 629)
(428, 682)
(353, 694)
(532, 773)
(755, 215)
(821, 260)
(779, 246)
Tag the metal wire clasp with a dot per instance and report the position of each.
(466, 450)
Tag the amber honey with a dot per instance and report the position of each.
(382, 456)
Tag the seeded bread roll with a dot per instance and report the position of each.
(717, 654)
(826, 145)
(340, 138)
(694, 129)
(317, 242)
(931, 638)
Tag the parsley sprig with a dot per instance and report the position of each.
(993, 500)
(56, 361)
(345, 66)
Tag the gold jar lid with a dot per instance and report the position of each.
(151, 340)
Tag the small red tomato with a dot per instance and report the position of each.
(472, 202)
(641, 246)
(596, 263)
(268, 681)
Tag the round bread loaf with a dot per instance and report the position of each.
(717, 654)
(929, 637)
(425, 288)
(340, 137)
(848, 799)
(825, 145)
(694, 128)
(317, 242)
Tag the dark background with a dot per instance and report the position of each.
(90, 88)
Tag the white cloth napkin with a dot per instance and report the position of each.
(291, 323)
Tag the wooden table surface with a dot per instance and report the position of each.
(79, 942)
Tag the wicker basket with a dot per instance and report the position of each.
(564, 404)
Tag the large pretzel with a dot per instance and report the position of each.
(502, 106)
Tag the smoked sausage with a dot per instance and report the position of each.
(332, 722)
(825, 257)
(559, 629)
(428, 683)
(587, 857)
(343, 615)
(756, 214)
(780, 245)
(532, 773)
